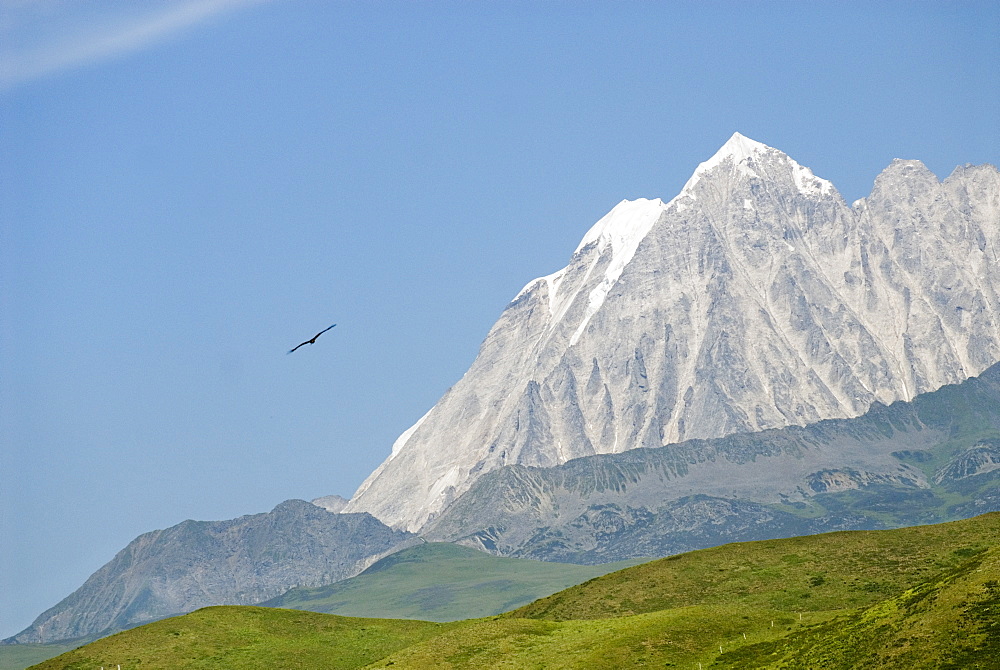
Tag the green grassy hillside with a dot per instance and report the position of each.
(909, 598)
(442, 582)
(244, 638)
(840, 570)
(912, 598)
(680, 637)
(951, 622)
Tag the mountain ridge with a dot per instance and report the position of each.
(198, 563)
(929, 460)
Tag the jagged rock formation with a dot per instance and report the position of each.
(199, 563)
(755, 299)
(934, 459)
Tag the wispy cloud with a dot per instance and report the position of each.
(41, 37)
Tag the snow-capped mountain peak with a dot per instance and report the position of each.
(743, 154)
(738, 148)
(752, 300)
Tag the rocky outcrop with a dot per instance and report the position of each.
(981, 458)
(199, 563)
(335, 504)
(755, 299)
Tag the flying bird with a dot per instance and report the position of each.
(310, 341)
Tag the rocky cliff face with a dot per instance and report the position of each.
(755, 299)
(927, 461)
(199, 563)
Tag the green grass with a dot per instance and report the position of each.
(841, 570)
(242, 638)
(920, 597)
(442, 582)
(679, 637)
(951, 621)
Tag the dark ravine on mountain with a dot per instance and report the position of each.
(692, 377)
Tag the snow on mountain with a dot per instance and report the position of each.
(741, 152)
(754, 299)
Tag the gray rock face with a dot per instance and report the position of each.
(927, 461)
(199, 563)
(755, 299)
(334, 504)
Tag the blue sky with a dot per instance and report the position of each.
(190, 188)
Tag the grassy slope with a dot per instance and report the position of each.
(842, 600)
(442, 582)
(680, 637)
(917, 597)
(951, 621)
(813, 573)
(240, 638)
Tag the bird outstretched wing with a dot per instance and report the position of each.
(312, 340)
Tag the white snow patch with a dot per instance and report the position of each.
(407, 434)
(552, 281)
(623, 228)
(807, 182)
